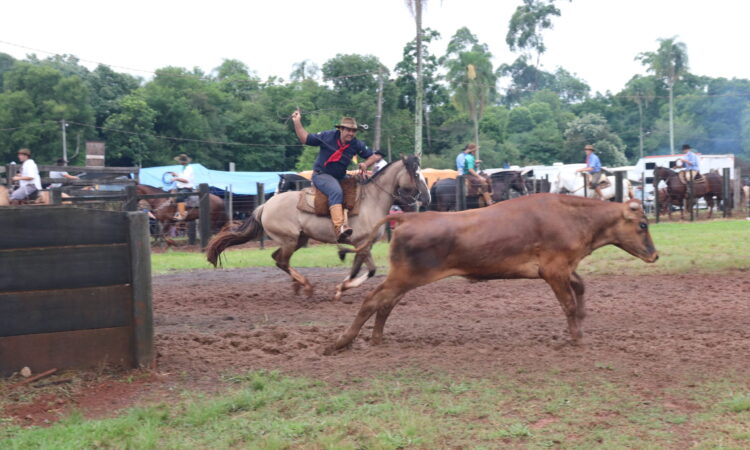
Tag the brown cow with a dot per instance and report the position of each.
(539, 236)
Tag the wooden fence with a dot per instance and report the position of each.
(75, 289)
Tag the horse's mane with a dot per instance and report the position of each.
(411, 162)
(149, 188)
(666, 169)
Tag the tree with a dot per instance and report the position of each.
(593, 129)
(129, 133)
(526, 26)
(415, 6)
(470, 75)
(304, 70)
(668, 63)
(642, 91)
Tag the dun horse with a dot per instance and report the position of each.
(678, 191)
(164, 209)
(291, 228)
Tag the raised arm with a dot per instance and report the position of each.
(298, 128)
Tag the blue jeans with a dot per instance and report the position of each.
(329, 186)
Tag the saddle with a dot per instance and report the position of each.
(312, 201)
(687, 175)
(603, 181)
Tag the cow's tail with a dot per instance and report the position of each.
(251, 228)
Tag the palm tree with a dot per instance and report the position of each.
(415, 6)
(471, 76)
(642, 91)
(669, 63)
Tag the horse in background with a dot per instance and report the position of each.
(291, 182)
(506, 181)
(568, 181)
(164, 210)
(443, 194)
(677, 190)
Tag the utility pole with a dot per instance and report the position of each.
(379, 113)
(64, 141)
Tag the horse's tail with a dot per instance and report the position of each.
(367, 244)
(251, 228)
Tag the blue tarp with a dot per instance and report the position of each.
(242, 183)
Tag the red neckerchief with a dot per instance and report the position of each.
(336, 156)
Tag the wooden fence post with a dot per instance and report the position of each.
(261, 198)
(691, 199)
(140, 264)
(618, 186)
(131, 201)
(725, 198)
(460, 193)
(204, 220)
(657, 206)
(55, 196)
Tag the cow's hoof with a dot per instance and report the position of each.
(296, 287)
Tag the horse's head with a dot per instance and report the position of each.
(411, 179)
(662, 173)
(518, 182)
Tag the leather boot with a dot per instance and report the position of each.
(343, 232)
(181, 213)
(487, 198)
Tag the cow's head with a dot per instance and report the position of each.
(631, 232)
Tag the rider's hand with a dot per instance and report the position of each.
(296, 115)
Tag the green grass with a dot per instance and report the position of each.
(265, 410)
(684, 247)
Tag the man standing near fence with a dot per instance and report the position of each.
(29, 182)
(184, 182)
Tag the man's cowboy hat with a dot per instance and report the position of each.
(24, 151)
(183, 158)
(349, 122)
(589, 147)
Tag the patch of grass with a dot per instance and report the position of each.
(706, 246)
(409, 409)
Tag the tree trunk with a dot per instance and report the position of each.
(420, 94)
(379, 113)
(640, 128)
(671, 118)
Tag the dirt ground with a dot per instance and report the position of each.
(209, 323)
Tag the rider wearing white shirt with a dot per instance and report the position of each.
(28, 179)
(184, 183)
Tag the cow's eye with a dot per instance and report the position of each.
(644, 226)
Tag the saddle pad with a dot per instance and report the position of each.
(697, 178)
(315, 202)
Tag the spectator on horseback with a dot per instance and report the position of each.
(61, 174)
(478, 185)
(29, 182)
(690, 164)
(337, 148)
(593, 169)
(184, 182)
(461, 160)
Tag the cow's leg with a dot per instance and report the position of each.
(352, 280)
(562, 286)
(576, 282)
(283, 254)
(386, 292)
(380, 318)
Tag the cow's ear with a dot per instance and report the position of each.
(630, 210)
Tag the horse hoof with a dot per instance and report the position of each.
(330, 350)
(309, 291)
(296, 287)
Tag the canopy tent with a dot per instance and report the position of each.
(242, 183)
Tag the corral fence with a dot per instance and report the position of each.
(76, 289)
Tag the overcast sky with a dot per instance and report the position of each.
(595, 39)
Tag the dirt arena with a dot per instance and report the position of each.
(208, 323)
